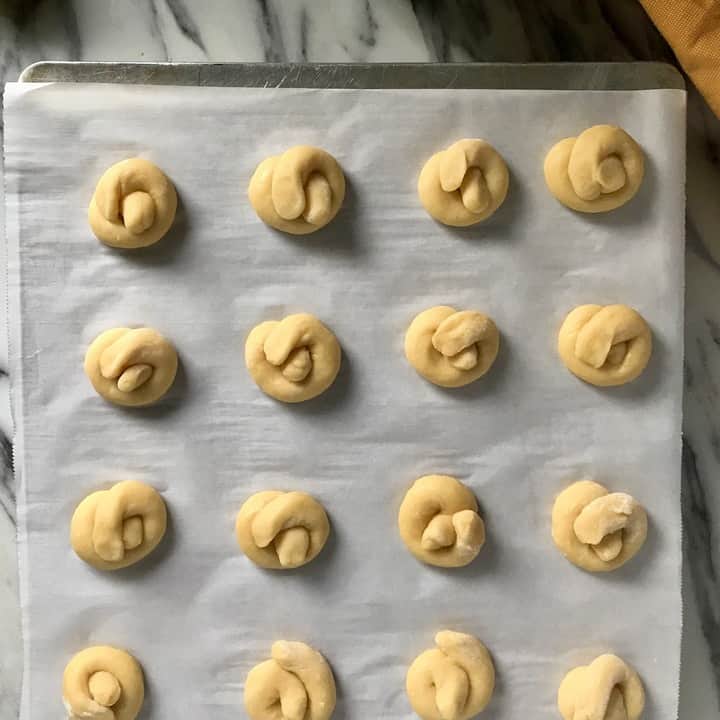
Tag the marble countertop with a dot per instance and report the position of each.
(419, 30)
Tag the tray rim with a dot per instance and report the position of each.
(538, 76)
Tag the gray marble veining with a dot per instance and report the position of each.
(420, 30)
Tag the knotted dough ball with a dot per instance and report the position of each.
(606, 689)
(439, 522)
(598, 171)
(281, 530)
(131, 367)
(451, 348)
(103, 683)
(595, 529)
(133, 205)
(605, 345)
(293, 360)
(453, 681)
(299, 191)
(295, 684)
(114, 528)
(464, 184)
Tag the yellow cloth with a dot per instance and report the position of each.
(692, 27)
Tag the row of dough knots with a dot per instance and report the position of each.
(103, 682)
(132, 367)
(606, 689)
(302, 190)
(439, 522)
(453, 681)
(111, 529)
(451, 348)
(281, 530)
(595, 529)
(294, 359)
(296, 683)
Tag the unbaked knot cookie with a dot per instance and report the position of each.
(299, 191)
(597, 171)
(295, 684)
(133, 205)
(439, 522)
(281, 530)
(451, 348)
(606, 689)
(595, 529)
(131, 367)
(464, 184)
(293, 360)
(114, 528)
(453, 681)
(605, 345)
(104, 683)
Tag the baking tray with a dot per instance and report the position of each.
(509, 76)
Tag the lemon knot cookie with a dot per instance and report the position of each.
(131, 367)
(599, 170)
(111, 529)
(295, 684)
(605, 345)
(595, 529)
(451, 348)
(133, 205)
(439, 522)
(453, 681)
(299, 191)
(281, 530)
(606, 689)
(294, 359)
(104, 683)
(464, 184)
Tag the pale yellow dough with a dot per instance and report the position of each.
(299, 191)
(114, 528)
(296, 684)
(598, 171)
(103, 683)
(133, 205)
(605, 345)
(293, 360)
(464, 184)
(453, 681)
(451, 348)
(131, 367)
(281, 530)
(595, 529)
(439, 522)
(606, 689)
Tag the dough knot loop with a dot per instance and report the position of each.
(115, 528)
(451, 348)
(295, 684)
(606, 689)
(282, 530)
(597, 171)
(605, 345)
(133, 206)
(453, 681)
(299, 191)
(439, 522)
(103, 683)
(464, 184)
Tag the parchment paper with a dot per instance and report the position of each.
(197, 613)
